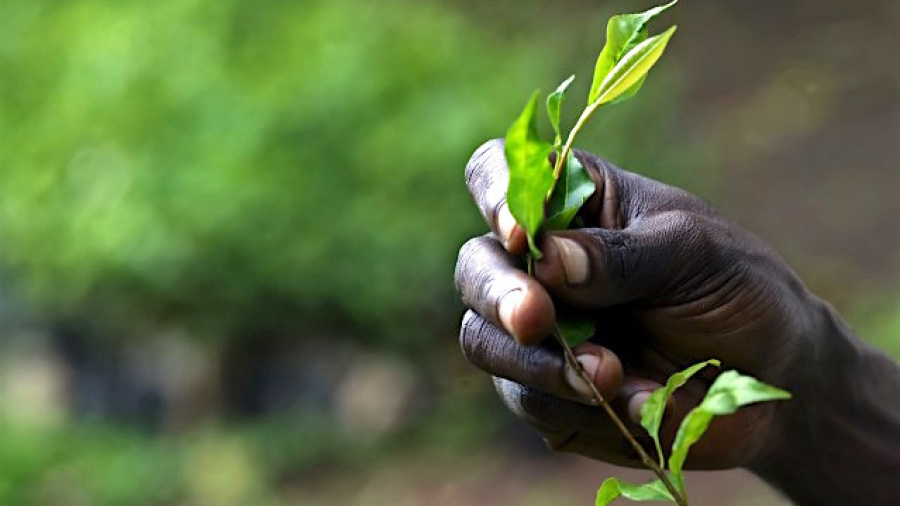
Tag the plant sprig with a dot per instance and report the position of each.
(542, 196)
(730, 391)
(621, 69)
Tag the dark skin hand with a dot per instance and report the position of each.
(669, 283)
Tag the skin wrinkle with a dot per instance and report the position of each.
(714, 303)
(483, 156)
(464, 261)
(490, 280)
(611, 215)
(490, 292)
(541, 366)
(546, 369)
(487, 178)
(494, 212)
(699, 248)
(700, 286)
(473, 271)
(714, 323)
(489, 348)
(470, 337)
(728, 305)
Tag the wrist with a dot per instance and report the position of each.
(838, 440)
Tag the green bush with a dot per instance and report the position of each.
(244, 167)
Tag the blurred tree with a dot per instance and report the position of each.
(246, 168)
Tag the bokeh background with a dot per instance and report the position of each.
(228, 228)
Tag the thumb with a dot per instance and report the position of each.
(597, 267)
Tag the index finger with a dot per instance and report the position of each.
(487, 177)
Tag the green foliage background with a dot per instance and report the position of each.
(236, 169)
(242, 165)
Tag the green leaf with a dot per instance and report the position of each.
(530, 173)
(653, 409)
(554, 106)
(612, 488)
(572, 190)
(630, 92)
(691, 430)
(730, 391)
(623, 33)
(575, 330)
(632, 68)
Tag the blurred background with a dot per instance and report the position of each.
(228, 228)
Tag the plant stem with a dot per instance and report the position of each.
(570, 140)
(597, 397)
(572, 362)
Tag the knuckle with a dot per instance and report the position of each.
(540, 364)
(684, 220)
(532, 407)
(594, 162)
(466, 262)
(481, 276)
(698, 241)
(471, 337)
(481, 159)
(537, 406)
(486, 177)
(693, 230)
(619, 254)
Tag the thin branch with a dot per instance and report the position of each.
(570, 140)
(649, 463)
(598, 398)
(600, 401)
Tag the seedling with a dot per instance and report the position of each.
(544, 196)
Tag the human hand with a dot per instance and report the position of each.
(669, 283)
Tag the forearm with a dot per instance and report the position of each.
(839, 443)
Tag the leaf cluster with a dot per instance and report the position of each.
(729, 392)
(544, 196)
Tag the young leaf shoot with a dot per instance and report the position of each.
(730, 391)
(554, 109)
(544, 196)
(612, 488)
(623, 32)
(653, 409)
(530, 173)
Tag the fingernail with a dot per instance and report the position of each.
(591, 364)
(574, 260)
(635, 402)
(505, 222)
(506, 309)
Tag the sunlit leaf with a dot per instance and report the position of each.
(554, 106)
(653, 409)
(574, 329)
(572, 190)
(632, 68)
(612, 488)
(623, 33)
(530, 173)
(730, 391)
